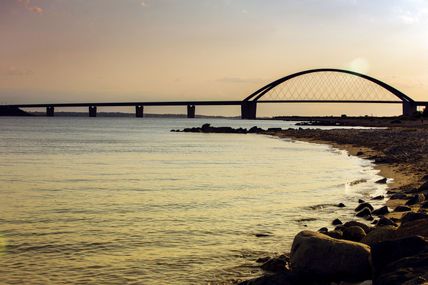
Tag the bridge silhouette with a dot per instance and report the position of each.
(325, 85)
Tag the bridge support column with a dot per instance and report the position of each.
(409, 108)
(92, 111)
(50, 111)
(139, 111)
(248, 110)
(191, 111)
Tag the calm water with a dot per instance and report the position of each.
(125, 201)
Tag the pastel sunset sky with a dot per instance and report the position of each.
(133, 50)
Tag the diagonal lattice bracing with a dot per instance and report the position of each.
(328, 86)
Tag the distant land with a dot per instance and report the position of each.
(126, 115)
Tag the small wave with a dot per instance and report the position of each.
(60, 248)
(320, 206)
(356, 182)
(306, 220)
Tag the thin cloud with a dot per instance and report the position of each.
(15, 71)
(31, 7)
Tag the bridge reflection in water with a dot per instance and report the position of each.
(324, 85)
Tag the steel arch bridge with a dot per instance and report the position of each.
(326, 85)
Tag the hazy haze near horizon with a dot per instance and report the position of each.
(108, 50)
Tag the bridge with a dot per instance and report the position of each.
(326, 85)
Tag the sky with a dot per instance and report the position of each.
(155, 50)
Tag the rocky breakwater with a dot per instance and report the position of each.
(207, 128)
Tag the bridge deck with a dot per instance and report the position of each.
(124, 104)
(197, 103)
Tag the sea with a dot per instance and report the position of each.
(126, 201)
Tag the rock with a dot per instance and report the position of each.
(365, 227)
(395, 220)
(402, 209)
(317, 255)
(336, 222)
(360, 153)
(335, 234)
(276, 264)
(380, 197)
(380, 234)
(354, 233)
(323, 230)
(341, 205)
(261, 235)
(255, 130)
(385, 222)
(418, 198)
(398, 196)
(411, 191)
(365, 212)
(381, 211)
(361, 201)
(423, 187)
(387, 252)
(274, 129)
(384, 159)
(412, 216)
(206, 127)
(418, 280)
(364, 205)
(340, 228)
(412, 228)
(262, 259)
(382, 181)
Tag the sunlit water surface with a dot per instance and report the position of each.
(125, 201)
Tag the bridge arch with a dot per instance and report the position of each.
(249, 104)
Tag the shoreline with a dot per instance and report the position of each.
(399, 179)
(393, 249)
(404, 176)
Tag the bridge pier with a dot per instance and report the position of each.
(409, 108)
(50, 111)
(249, 110)
(139, 111)
(92, 111)
(191, 111)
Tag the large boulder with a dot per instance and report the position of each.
(380, 234)
(354, 233)
(365, 227)
(400, 261)
(386, 252)
(412, 216)
(383, 221)
(325, 258)
(412, 228)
